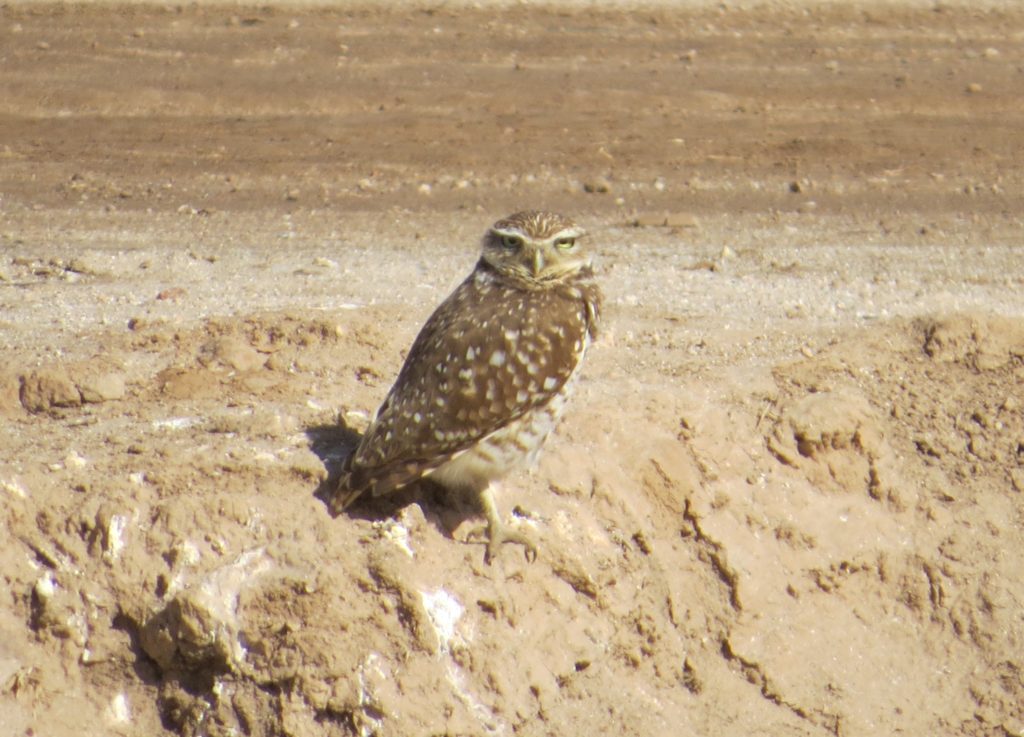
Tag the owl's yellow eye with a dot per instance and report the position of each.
(565, 243)
(511, 241)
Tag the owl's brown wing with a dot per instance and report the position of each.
(489, 353)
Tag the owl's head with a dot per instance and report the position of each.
(535, 249)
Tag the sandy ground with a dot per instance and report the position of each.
(788, 498)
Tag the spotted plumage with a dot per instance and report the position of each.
(488, 375)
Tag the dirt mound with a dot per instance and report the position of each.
(787, 496)
(821, 556)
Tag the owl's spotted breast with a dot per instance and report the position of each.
(488, 354)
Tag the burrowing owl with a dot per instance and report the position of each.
(489, 374)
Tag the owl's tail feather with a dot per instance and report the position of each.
(344, 494)
(353, 483)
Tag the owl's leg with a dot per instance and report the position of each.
(498, 533)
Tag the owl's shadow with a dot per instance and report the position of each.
(333, 444)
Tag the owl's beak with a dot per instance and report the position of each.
(538, 262)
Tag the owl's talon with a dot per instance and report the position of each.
(497, 537)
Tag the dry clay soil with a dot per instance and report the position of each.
(787, 499)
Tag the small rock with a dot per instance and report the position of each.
(597, 186)
(990, 53)
(102, 388)
(681, 220)
(45, 586)
(185, 384)
(237, 354)
(200, 626)
(41, 391)
(82, 266)
(74, 460)
(973, 88)
(173, 294)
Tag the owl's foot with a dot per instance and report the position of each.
(498, 534)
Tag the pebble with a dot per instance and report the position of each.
(73, 460)
(973, 88)
(45, 587)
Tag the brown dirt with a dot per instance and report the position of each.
(788, 498)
